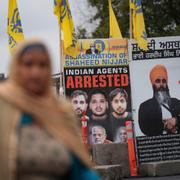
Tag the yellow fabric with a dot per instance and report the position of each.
(15, 31)
(114, 27)
(139, 31)
(62, 10)
(47, 111)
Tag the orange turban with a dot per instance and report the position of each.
(158, 70)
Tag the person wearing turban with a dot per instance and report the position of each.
(160, 114)
(92, 49)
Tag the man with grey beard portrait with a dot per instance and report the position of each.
(160, 114)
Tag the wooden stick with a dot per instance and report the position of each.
(130, 22)
(61, 89)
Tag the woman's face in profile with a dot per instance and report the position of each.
(34, 71)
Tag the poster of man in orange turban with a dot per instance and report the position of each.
(160, 114)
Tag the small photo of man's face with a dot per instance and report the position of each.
(119, 104)
(98, 135)
(98, 104)
(121, 135)
(79, 104)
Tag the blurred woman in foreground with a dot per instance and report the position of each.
(39, 139)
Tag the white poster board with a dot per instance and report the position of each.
(165, 52)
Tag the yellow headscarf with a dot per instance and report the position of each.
(56, 116)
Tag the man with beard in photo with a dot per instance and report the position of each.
(121, 135)
(92, 49)
(79, 103)
(98, 106)
(160, 114)
(119, 114)
(99, 135)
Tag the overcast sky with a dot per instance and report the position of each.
(39, 21)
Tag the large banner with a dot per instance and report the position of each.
(155, 83)
(97, 83)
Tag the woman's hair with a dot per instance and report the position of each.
(36, 46)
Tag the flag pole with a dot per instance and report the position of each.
(130, 20)
(61, 90)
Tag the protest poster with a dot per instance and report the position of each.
(155, 85)
(96, 81)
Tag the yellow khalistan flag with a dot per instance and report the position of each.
(139, 31)
(62, 10)
(15, 30)
(114, 27)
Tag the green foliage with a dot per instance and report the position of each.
(161, 17)
(81, 33)
(121, 10)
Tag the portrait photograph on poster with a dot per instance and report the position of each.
(160, 85)
(155, 87)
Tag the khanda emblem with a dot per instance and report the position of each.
(15, 22)
(138, 6)
(74, 39)
(65, 11)
(12, 42)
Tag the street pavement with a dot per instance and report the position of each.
(155, 178)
